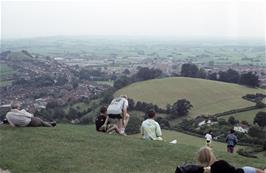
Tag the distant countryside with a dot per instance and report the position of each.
(121, 86)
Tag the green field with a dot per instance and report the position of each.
(246, 116)
(206, 96)
(74, 148)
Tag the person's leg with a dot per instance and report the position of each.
(126, 119)
(113, 127)
(37, 122)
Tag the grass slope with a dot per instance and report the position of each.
(246, 116)
(73, 148)
(206, 96)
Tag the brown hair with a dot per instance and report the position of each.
(103, 110)
(205, 157)
(15, 104)
(124, 96)
(151, 113)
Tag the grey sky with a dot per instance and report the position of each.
(190, 18)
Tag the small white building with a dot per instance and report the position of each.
(240, 129)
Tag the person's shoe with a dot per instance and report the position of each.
(53, 123)
(123, 134)
(5, 121)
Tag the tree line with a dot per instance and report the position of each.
(250, 79)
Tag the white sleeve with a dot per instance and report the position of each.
(125, 104)
(158, 130)
(27, 114)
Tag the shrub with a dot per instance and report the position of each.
(244, 153)
(133, 126)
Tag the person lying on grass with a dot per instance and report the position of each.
(150, 129)
(22, 118)
(207, 163)
(207, 159)
(102, 122)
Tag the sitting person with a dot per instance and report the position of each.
(222, 166)
(150, 129)
(22, 118)
(205, 157)
(102, 122)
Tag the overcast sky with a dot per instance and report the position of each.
(191, 18)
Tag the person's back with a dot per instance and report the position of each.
(18, 118)
(150, 129)
(231, 141)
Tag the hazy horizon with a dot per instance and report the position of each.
(193, 19)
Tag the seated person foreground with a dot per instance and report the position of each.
(22, 118)
(102, 122)
(150, 129)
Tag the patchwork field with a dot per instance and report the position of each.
(75, 148)
(206, 96)
(246, 116)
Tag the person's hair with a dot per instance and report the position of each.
(151, 113)
(205, 157)
(103, 110)
(15, 105)
(222, 166)
(210, 131)
(232, 131)
(124, 96)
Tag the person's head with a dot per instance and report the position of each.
(15, 105)
(103, 110)
(151, 114)
(210, 132)
(232, 131)
(205, 157)
(222, 166)
(124, 96)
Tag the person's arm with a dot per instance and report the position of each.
(25, 113)
(226, 138)
(158, 130)
(105, 122)
(141, 130)
(125, 105)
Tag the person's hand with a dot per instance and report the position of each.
(104, 127)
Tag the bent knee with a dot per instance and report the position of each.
(127, 115)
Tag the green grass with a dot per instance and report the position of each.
(245, 116)
(206, 96)
(74, 148)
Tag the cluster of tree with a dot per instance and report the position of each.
(179, 108)
(192, 70)
(258, 97)
(144, 73)
(248, 78)
(143, 106)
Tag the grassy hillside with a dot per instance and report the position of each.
(246, 116)
(207, 97)
(69, 148)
